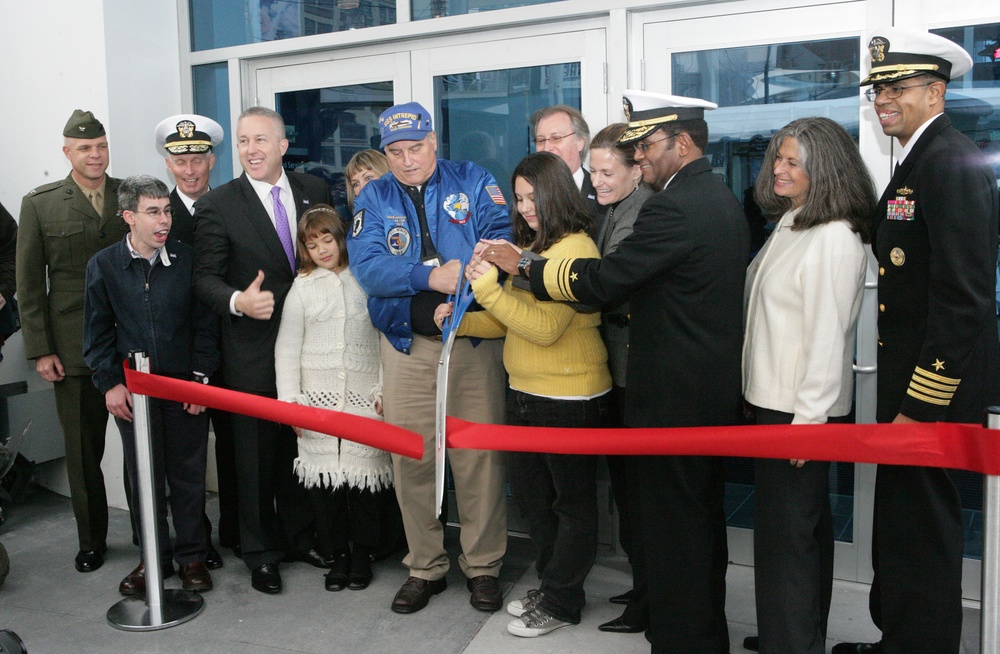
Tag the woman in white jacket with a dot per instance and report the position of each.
(803, 295)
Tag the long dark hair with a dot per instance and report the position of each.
(840, 186)
(558, 204)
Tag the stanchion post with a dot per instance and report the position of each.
(989, 618)
(161, 609)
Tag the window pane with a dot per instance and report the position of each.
(483, 116)
(326, 127)
(422, 9)
(211, 99)
(760, 89)
(222, 23)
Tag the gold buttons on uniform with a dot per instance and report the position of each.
(897, 257)
(881, 271)
(881, 308)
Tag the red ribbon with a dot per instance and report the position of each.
(937, 444)
(335, 423)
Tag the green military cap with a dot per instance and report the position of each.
(83, 125)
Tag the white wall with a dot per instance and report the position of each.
(117, 58)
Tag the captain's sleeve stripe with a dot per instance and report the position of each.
(920, 372)
(927, 399)
(557, 279)
(930, 392)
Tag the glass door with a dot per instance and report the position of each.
(762, 82)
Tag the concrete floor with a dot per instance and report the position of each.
(55, 609)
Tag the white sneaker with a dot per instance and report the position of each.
(535, 623)
(519, 607)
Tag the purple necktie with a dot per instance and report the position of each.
(281, 224)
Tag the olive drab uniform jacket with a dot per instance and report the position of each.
(58, 232)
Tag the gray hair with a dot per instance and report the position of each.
(840, 185)
(133, 188)
(264, 112)
(576, 119)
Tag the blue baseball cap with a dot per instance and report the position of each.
(404, 122)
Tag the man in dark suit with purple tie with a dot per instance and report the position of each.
(244, 266)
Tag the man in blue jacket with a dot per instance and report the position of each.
(410, 233)
(139, 296)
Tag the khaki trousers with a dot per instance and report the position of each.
(475, 393)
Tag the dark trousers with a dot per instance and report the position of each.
(275, 514)
(917, 546)
(179, 443)
(345, 515)
(684, 532)
(793, 551)
(84, 419)
(557, 496)
(225, 466)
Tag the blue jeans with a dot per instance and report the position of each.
(557, 496)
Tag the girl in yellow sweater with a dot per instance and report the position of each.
(559, 377)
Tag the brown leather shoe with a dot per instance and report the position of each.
(134, 582)
(195, 576)
(415, 593)
(486, 593)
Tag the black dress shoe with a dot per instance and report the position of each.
(266, 579)
(623, 626)
(90, 560)
(336, 579)
(415, 593)
(857, 648)
(752, 643)
(361, 569)
(486, 593)
(213, 560)
(624, 598)
(312, 557)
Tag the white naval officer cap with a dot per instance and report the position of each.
(188, 134)
(646, 112)
(898, 54)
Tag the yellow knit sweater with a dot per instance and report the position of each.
(551, 349)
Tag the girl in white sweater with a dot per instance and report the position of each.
(327, 355)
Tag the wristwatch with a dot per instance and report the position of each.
(522, 267)
(199, 377)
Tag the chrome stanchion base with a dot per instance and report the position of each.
(132, 614)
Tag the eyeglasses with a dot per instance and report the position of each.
(555, 139)
(891, 92)
(154, 212)
(644, 147)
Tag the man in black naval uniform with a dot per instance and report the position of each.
(938, 356)
(682, 270)
(62, 225)
(188, 141)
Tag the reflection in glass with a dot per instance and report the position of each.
(973, 104)
(211, 99)
(483, 116)
(223, 23)
(759, 90)
(423, 9)
(326, 127)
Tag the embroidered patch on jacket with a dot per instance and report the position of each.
(398, 240)
(457, 206)
(495, 194)
(358, 223)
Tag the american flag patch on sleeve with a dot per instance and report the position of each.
(495, 194)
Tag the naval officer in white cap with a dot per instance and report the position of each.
(682, 270)
(938, 361)
(188, 140)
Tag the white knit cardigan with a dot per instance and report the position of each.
(327, 355)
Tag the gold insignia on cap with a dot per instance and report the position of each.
(904, 191)
(185, 128)
(897, 257)
(877, 48)
(627, 105)
(938, 364)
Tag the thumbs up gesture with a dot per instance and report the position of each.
(255, 303)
